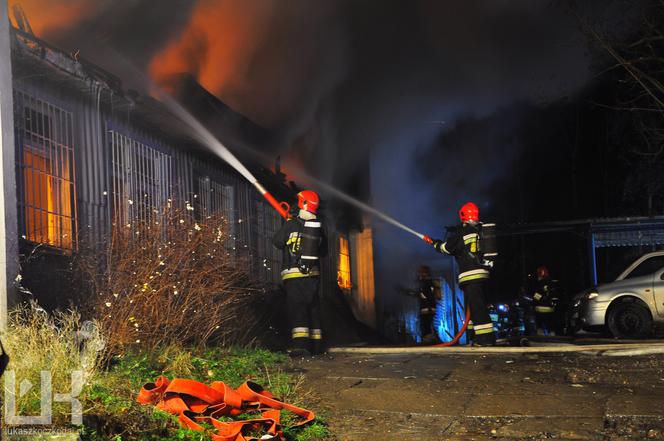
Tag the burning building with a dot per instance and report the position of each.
(87, 152)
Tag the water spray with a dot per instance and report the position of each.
(205, 137)
(208, 139)
(369, 209)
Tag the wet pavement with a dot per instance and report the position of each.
(487, 396)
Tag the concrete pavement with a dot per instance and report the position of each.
(489, 395)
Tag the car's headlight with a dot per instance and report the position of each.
(592, 295)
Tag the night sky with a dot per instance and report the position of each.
(503, 102)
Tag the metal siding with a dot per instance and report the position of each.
(142, 179)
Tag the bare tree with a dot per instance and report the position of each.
(637, 67)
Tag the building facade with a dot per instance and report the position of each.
(88, 154)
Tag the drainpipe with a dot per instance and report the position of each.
(9, 265)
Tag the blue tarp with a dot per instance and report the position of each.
(450, 314)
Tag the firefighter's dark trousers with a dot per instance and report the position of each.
(426, 323)
(303, 304)
(546, 322)
(482, 326)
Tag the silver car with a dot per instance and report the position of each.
(629, 306)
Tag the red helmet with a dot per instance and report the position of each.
(469, 212)
(308, 200)
(424, 272)
(542, 272)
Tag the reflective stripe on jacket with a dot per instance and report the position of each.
(289, 238)
(465, 245)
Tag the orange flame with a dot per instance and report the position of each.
(48, 16)
(216, 47)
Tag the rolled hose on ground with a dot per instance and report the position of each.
(459, 334)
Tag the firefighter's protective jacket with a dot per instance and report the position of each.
(464, 245)
(543, 296)
(290, 238)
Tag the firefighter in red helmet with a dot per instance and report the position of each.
(543, 299)
(428, 294)
(303, 241)
(464, 245)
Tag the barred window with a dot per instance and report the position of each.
(141, 180)
(215, 198)
(45, 156)
(268, 221)
(343, 273)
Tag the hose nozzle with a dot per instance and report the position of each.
(427, 239)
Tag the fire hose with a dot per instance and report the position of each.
(459, 334)
(282, 207)
(201, 408)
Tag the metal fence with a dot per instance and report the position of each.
(267, 258)
(141, 179)
(45, 181)
(213, 198)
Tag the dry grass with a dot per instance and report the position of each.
(170, 281)
(59, 343)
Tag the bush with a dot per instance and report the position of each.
(170, 280)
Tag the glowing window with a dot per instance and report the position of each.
(343, 274)
(46, 178)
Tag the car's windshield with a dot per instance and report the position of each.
(646, 267)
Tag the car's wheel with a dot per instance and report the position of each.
(629, 319)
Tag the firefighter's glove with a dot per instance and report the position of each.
(437, 244)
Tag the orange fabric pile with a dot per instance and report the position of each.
(196, 403)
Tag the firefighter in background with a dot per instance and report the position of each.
(303, 241)
(464, 245)
(428, 294)
(525, 304)
(543, 300)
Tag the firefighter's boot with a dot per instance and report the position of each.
(300, 343)
(317, 342)
(484, 335)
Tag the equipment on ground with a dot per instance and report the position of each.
(196, 403)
